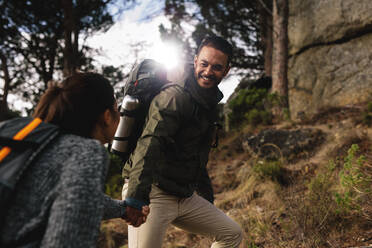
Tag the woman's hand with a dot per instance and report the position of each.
(136, 217)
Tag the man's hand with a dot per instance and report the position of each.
(136, 217)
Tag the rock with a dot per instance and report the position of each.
(330, 54)
(330, 76)
(324, 21)
(291, 144)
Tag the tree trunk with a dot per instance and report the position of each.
(266, 26)
(268, 52)
(69, 61)
(280, 51)
(4, 99)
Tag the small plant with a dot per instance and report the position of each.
(270, 169)
(367, 115)
(354, 181)
(369, 107)
(251, 245)
(313, 213)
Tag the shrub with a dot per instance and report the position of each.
(367, 115)
(354, 180)
(367, 118)
(369, 107)
(251, 106)
(332, 199)
(313, 213)
(272, 170)
(256, 116)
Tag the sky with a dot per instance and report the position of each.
(117, 45)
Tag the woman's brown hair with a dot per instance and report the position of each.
(77, 103)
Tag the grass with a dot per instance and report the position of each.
(301, 213)
(323, 201)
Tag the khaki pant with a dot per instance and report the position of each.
(193, 214)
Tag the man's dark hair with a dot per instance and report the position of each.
(218, 43)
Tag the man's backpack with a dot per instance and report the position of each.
(145, 81)
(21, 141)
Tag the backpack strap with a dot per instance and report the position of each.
(17, 144)
(168, 85)
(15, 161)
(20, 136)
(133, 77)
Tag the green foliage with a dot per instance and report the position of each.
(251, 245)
(319, 189)
(325, 203)
(315, 213)
(367, 119)
(251, 106)
(367, 115)
(355, 182)
(33, 40)
(287, 114)
(114, 180)
(270, 169)
(351, 185)
(369, 107)
(224, 17)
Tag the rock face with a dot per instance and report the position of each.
(330, 54)
(288, 144)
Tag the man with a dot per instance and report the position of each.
(168, 167)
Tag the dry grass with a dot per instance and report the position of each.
(113, 234)
(303, 212)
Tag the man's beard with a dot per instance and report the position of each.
(211, 78)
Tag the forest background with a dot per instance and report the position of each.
(43, 41)
(294, 164)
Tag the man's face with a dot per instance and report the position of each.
(210, 67)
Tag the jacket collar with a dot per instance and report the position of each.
(207, 98)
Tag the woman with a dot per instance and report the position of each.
(59, 201)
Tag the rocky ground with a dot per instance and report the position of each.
(279, 182)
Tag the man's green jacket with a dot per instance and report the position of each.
(173, 150)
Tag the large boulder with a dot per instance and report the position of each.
(313, 22)
(330, 55)
(330, 76)
(290, 145)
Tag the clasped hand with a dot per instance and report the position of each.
(136, 217)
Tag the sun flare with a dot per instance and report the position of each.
(167, 54)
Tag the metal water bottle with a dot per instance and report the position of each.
(122, 143)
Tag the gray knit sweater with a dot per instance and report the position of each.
(60, 197)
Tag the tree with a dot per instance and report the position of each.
(4, 68)
(48, 37)
(266, 33)
(246, 24)
(257, 29)
(71, 45)
(11, 80)
(280, 50)
(8, 61)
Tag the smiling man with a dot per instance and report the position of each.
(211, 65)
(168, 167)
